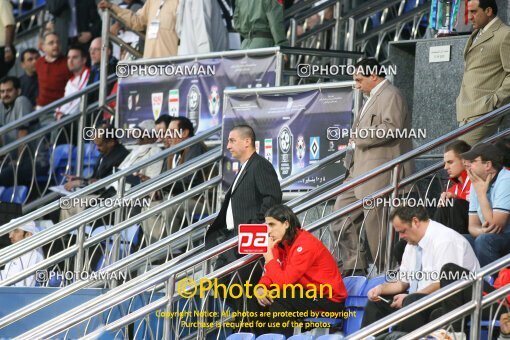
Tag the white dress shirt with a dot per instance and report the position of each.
(230, 214)
(440, 245)
(21, 263)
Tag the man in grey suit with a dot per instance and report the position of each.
(383, 113)
(486, 82)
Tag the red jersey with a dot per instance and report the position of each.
(305, 262)
(52, 79)
(461, 190)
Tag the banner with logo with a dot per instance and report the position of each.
(193, 89)
(293, 130)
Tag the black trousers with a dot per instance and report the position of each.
(287, 304)
(377, 310)
(455, 216)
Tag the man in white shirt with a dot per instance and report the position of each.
(430, 246)
(77, 64)
(26, 260)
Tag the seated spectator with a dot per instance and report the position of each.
(162, 124)
(430, 245)
(174, 216)
(29, 78)
(95, 66)
(77, 64)
(112, 155)
(489, 203)
(296, 257)
(145, 148)
(503, 144)
(52, 72)
(455, 215)
(13, 107)
(156, 20)
(26, 260)
(200, 27)
(7, 50)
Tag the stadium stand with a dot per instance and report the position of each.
(105, 275)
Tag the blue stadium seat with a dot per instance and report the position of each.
(301, 337)
(90, 157)
(16, 194)
(354, 285)
(357, 304)
(61, 155)
(331, 337)
(1, 190)
(241, 336)
(271, 336)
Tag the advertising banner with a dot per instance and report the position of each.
(293, 130)
(192, 89)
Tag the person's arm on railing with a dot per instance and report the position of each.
(136, 21)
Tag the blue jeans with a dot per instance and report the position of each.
(490, 247)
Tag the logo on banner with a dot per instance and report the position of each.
(314, 148)
(193, 105)
(285, 143)
(300, 151)
(268, 149)
(130, 102)
(253, 239)
(290, 102)
(214, 101)
(257, 146)
(157, 103)
(173, 102)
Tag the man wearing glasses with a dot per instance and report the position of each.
(489, 203)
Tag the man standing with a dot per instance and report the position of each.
(385, 111)
(430, 245)
(157, 19)
(255, 189)
(7, 51)
(489, 203)
(52, 71)
(260, 23)
(76, 22)
(29, 79)
(486, 82)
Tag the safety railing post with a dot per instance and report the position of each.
(119, 215)
(170, 290)
(387, 225)
(103, 71)
(79, 146)
(476, 315)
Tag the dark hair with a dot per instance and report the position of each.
(283, 213)
(369, 66)
(185, 124)
(503, 144)
(28, 50)
(164, 119)
(406, 213)
(14, 80)
(246, 131)
(107, 133)
(458, 146)
(83, 54)
(484, 4)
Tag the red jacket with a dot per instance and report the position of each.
(461, 190)
(305, 261)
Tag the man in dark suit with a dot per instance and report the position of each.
(255, 189)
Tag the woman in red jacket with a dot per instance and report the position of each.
(298, 261)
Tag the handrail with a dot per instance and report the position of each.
(429, 300)
(155, 276)
(28, 14)
(320, 52)
(303, 15)
(371, 8)
(108, 180)
(297, 8)
(86, 308)
(51, 107)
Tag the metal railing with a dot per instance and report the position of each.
(168, 274)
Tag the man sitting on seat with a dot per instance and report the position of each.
(26, 260)
(489, 203)
(430, 245)
(453, 206)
